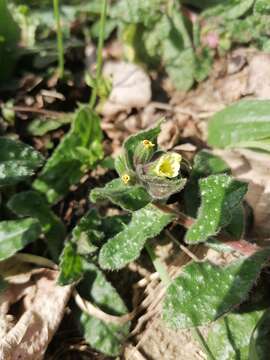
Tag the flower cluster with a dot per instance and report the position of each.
(142, 163)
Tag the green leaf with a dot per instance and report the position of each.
(88, 233)
(127, 197)
(262, 7)
(205, 164)
(34, 204)
(229, 10)
(220, 194)
(247, 120)
(71, 265)
(236, 226)
(229, 337)
(18, 161)
(9, 38)
(126, 246)
(40, 127)
(259, 343)
(180, 67)
(105, 337)
(204, 292)
(16, 234)
(131, 143)
(78, 151)
(138, 11)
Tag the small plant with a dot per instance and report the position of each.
(148, 177)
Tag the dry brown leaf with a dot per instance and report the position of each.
(259, 76)
(26, 336)
(131, 87)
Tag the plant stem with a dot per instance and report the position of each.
(99, 50)
(198, 335)
(60, 47)
(158, 265)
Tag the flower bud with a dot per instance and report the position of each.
(144, 152)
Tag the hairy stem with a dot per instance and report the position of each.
(99, 50)
(158, 265)
(60, 47)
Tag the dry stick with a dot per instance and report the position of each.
(49, 113)
(92, 310)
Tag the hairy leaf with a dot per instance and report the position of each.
(127, 197)
(205, 164)
(259, 343)
(204, 292)
(34, 204)
(220, 195)
(127, 245)
(18, 161)
(71, 265)
(105, 337)
(229, 337)
(131, 143)
(78, 151)
(244, 121)
(16, 234)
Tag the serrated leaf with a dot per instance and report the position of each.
(259, 343)
(204, 292)
(78, 151)
(126, 246)
(228, 338)
(34, 204)
(71, 265)
(220, 194)
(127, 197)
(105, 337)
(18, 161)
(16, 234)
(246, 120)
(131, 143)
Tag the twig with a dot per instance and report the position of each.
(182, 247)
(92, 310)
(35, 259)
(45, 112)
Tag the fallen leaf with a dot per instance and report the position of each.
(259, 76)
(131, 87)
(43, 302)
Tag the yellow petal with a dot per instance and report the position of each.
(168, 165)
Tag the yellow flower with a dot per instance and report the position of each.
(168, 165)
(125, 178)
(148, 144)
